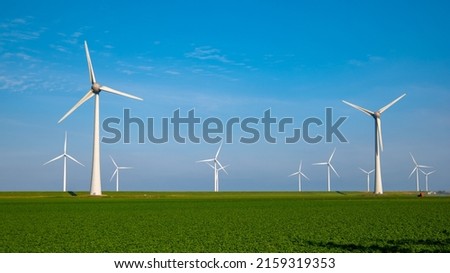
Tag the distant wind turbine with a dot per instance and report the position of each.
(368, 177)
(215, 167)
(94, 91)
(416, 169)
(378, 138)
(329, 167)
(426, 178)
(65, 155)
(300, 174)
(116, 172)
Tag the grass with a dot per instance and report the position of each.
(224, 222)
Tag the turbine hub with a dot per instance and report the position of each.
(96, 87)
(377, 114)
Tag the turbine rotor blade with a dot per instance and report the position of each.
(114, 173)
(73, 159)
(86, 97)
(320, 163)
(117, 92)
(331, 166)
(125, 168)
(51, 160)
(412, 172)
(205, 160)
(218, 150)
(91, 69)
(415, 163)
(296, 173)
(209, 164)
(331, 157)
(365, 111)
(390, 104)
(221, 167)
(364, 170)
(114, 162)
(302, 174)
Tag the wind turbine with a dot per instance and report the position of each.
(65, 155)
(220, 169)
(378, 138)
(94, 91)
(116, 172)
(215, 167)
(416, 169)
(300, 174)
(368, 177)
(329, 166)
(426, 178)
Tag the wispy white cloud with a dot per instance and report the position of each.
(129, 69)
(371, 59)
(172, 72)
(59, 48)
(145, 67)
(216, 64)
(375, 58)
(71, 39)
(19, 29)
(18, 55)
(354, 62)
(7, 83)
(13, 23)
(208, 53)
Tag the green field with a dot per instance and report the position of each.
(224, 222)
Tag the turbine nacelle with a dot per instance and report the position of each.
(377, 114)
(96, 87)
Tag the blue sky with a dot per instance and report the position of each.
(225, 59)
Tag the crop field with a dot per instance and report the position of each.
(224, 222)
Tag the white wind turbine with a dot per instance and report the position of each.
(329, 167)
(65, 155)
(94, 91)
(426, 178)
(368, 177)
(216, 168)
(300, 174)
(378, 138)
(416, 169)
(116, 172)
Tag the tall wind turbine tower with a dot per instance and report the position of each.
(94, 91)
(64, 156)
(300, 174)
(368, 177)
(329, 167)
(417, 168)
(216, 168)
(378, 138)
